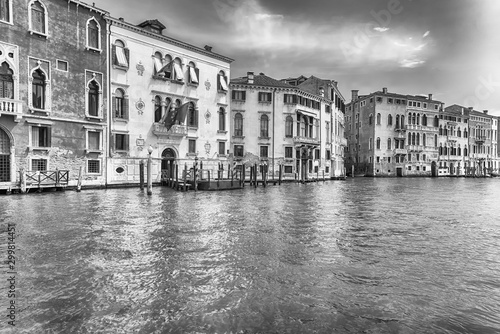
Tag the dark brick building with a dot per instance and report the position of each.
(53, 79)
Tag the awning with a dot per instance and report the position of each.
(120, 56)
(178, 72)
(158, 65)
(223, 82)
(306, 113)
(192, 75)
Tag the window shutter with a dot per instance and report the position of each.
(227, 81)
(196, 117)
(49, 136)
(126, 137)
(125, 108)
(233, 95)
(113, 106)
(127, 55)
(115, 58)
(112, 142)
(197, 70)
(244, 95)
(218, 82)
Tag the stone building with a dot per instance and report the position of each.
(151, 74)
(453, 141)
(53, 96)
(483, 152)
(282, 124)
(392, 134)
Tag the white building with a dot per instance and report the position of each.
(150, 72)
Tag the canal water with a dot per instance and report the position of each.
(358, 256)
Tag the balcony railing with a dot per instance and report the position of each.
(175, 131)
(416, 148)
(400, 151)
(47, 178)
(298, 140)
(9, 106)
(400, 129)
(480, 139)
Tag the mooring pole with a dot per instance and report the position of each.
(141, 174)
(150, 181)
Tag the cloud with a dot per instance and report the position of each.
(411, 63)
(381, 29)
(426, 34)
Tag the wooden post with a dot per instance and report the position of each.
(208, 178)
(141, 174)
(185, 174)
(57, 177)
(232, 175)
(263, 176)
(352, 171)
(243, 167)
(22, 180)
(229, 171)
(280, 175)
(176, 185)
(218, 177)
(149, 180)
(317, 174)
(194, 176)
(323, 175)
(255, 176)
(79, 183)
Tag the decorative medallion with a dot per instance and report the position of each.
(207, 116)
(140, 68)
(207, 84)
(140, 106)
(139, 142)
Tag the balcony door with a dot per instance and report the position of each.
(4, 156)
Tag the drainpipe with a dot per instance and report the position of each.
(274, 107)
(109, 104)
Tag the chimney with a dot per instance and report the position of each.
(470, 108)
(208, 48)
(485, 112)
(261, 73)
(321, 92)
(430, 97)
(384, 90)
(250, 77)
(354, 95)
(121, 19)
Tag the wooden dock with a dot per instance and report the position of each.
(30, 181)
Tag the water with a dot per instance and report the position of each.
(360, 256)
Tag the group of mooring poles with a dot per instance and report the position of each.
(264, 175)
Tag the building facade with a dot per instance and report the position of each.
(53, 89)
(482, 143)
(151, 75)
(392, 134)
(274, 123)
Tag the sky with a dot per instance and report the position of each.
(449, 48)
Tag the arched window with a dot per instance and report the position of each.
(465, 133)
(6, 82)
(424, 140)
(436, 121)
(435, 140)
(264, 126)
(424, 119)
(445, 150)
(397, 122)
(414, 118)
(222, 82)
(158, 64)
(459, 132)
(222, 119)
(93, 34)
(289, 126)
(6, 10)
(465, 151)
(238, 125)
(440, 149)
(157, 109)
(304, 125)
(389, 119)
(418, 138)
(5, 153)
(120, 54)
(93, 99)
(378, 118)
(38, 89)
(370, 119)
(378, 143)
(194, 73)
(38, 17)
(120, 104)
(440, 130)
(413, 139)
(389, 143)
(402, 121)
(192, 115)
(418, 119)
(409, 137)
(178, 72)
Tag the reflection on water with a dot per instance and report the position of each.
(381, 255)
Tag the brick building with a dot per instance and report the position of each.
(53, 89)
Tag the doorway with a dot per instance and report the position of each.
(167, 163)
(4, 156)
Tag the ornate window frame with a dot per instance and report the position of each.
(98, 78)
(46, 19)
(48, 90)
(87, 44)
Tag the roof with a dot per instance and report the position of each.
(399, 96)
(153, 22)
(261, 80)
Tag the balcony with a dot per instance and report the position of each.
(480, 140)
(299, 140)
(400, 129)
(343, 141)
(11, 107)
(175, 131)
(400, 151)
(416, 148)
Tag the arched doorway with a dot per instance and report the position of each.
(434, 169)
(167, 163)
(4, 156)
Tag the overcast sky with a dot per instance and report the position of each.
(450, 48)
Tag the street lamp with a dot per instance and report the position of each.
(150, 181)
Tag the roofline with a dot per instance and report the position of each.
(292, 88)
(170, 40)
(406, 96)
(83, 4)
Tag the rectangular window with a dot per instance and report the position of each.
(328, 155)
(264, 151)
(5, 10)
(265, 97)
(39, 165)
(94, 140)
(239, 95)
(93, 166)
(389, 101)
(61, 65)
(389, 159)
(192, 146)
(238, 150)
(121, 142)
(40, 136)
(222, 148)
(316, 154)
(290, 98)
(288, 169)
(288, 152)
